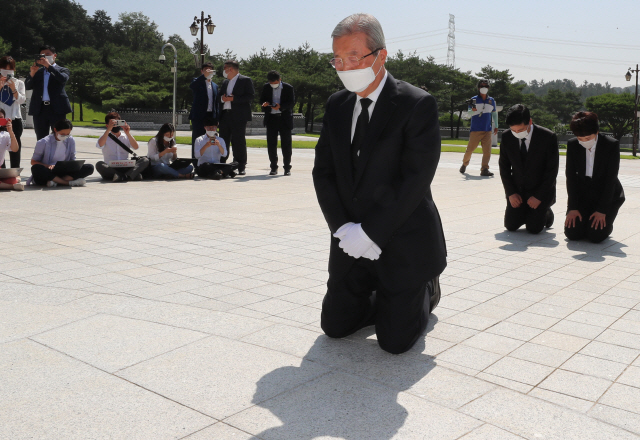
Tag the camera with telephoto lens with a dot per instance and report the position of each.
(39, 57)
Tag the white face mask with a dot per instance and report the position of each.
(210, 75)
(63, 137)
(212, 133)
(6, 73)
(275, 86)
(49, 58)
(359, 79)
(484, 90)
(224, 73)
(522, 134)
(589, 144)
(167, 139)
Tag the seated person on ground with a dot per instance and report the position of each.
(53, 148)
(162, 152)
(208, 149)
(594, 190)
(8, 142)
(528, 168)
(111, 151)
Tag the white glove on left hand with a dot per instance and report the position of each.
(356, 243)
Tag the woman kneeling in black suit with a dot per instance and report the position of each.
(595, 193)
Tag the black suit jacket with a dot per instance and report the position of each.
(606, 188)
(287, 101)
(57, 95)
(537, 176)
(390, 193)
(243, 93)
(201, 99)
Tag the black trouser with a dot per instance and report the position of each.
(14, 158)
(43, 121)
(583, 228)
(534, 219)
(400, 316)
(107, 172)
(216, 170)
(42, 175)
(276, 125)
(234, 131)
(197, 130)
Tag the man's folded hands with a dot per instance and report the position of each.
(356, 243)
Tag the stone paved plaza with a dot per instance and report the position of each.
(190, 309)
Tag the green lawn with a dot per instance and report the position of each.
(89, 113)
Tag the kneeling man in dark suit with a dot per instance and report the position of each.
(375, 160)
(528, 168)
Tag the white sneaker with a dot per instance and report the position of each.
(18, 187)
(51, 184)
(78, 182)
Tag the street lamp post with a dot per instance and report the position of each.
(194, 31)
(174, 69)
(635, 109)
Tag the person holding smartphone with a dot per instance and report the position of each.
(162, 152)
(205, 102)
(209, 149)
(49, 102)
(12, 96)
(8, 142)
(278, 99)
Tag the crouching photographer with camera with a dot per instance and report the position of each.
(12, 96)
(208, 149)
(116, 143)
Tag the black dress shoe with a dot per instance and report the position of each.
(433, 286)
(273, 172)
(242, 173)
(550, 218)
(463, 168)
(486, 173)
(287, 173)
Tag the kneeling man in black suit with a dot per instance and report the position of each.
(375, 160)
(528, 168)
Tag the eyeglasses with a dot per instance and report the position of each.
(352, 62)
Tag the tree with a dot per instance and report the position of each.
(5, 47)
(562, 104)
(22, 27)
(65, 24)
(614, 111)
(101, 28)
(136, 31)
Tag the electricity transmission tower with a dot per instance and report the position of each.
(451, 42)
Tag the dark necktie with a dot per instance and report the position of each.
(360, 133)
(523, 150)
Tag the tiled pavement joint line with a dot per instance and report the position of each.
(122, 378)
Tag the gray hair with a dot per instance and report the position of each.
(362, 23)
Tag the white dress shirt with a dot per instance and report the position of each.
(211, 154)
(61, 152)
(373, 96)
(154, 155)
(230, 86)
(527, 140)
(275, 98)
(113, 151)
(209, 95)
(591, 154)
(13, 111)
(5, 145)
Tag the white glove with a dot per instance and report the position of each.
(356, 243)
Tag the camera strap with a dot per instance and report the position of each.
(124, 147)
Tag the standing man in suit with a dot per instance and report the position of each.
(482, 124)
(237, 96)
(277, 100)
(205, 102)
(594, 190)
(375, 160)
(49, 101)
(528, 168)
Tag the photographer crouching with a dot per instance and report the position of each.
(12, 96)
(49, 102)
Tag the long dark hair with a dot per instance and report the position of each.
(166, 128)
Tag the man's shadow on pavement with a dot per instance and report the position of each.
(594, 252)
(521, 240)
(356, 399)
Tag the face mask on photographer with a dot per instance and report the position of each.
(115, 130)
(6, 73)
(167, 139)
(62, 137)
(49, 58)
(212, 133)
(484, 90)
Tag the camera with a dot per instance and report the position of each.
(120, 123)
(38, 57)
(9, 77)
(162, 59)
(3, 122)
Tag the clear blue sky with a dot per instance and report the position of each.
(580, 40)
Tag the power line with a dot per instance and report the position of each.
(538, 68)
(418, 35)
(551, 41)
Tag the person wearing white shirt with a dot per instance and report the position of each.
(53, 148)
(12, 96)
(112, 150)
(8, 142)
(209, 149)
(595, 193)
(163, 152)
